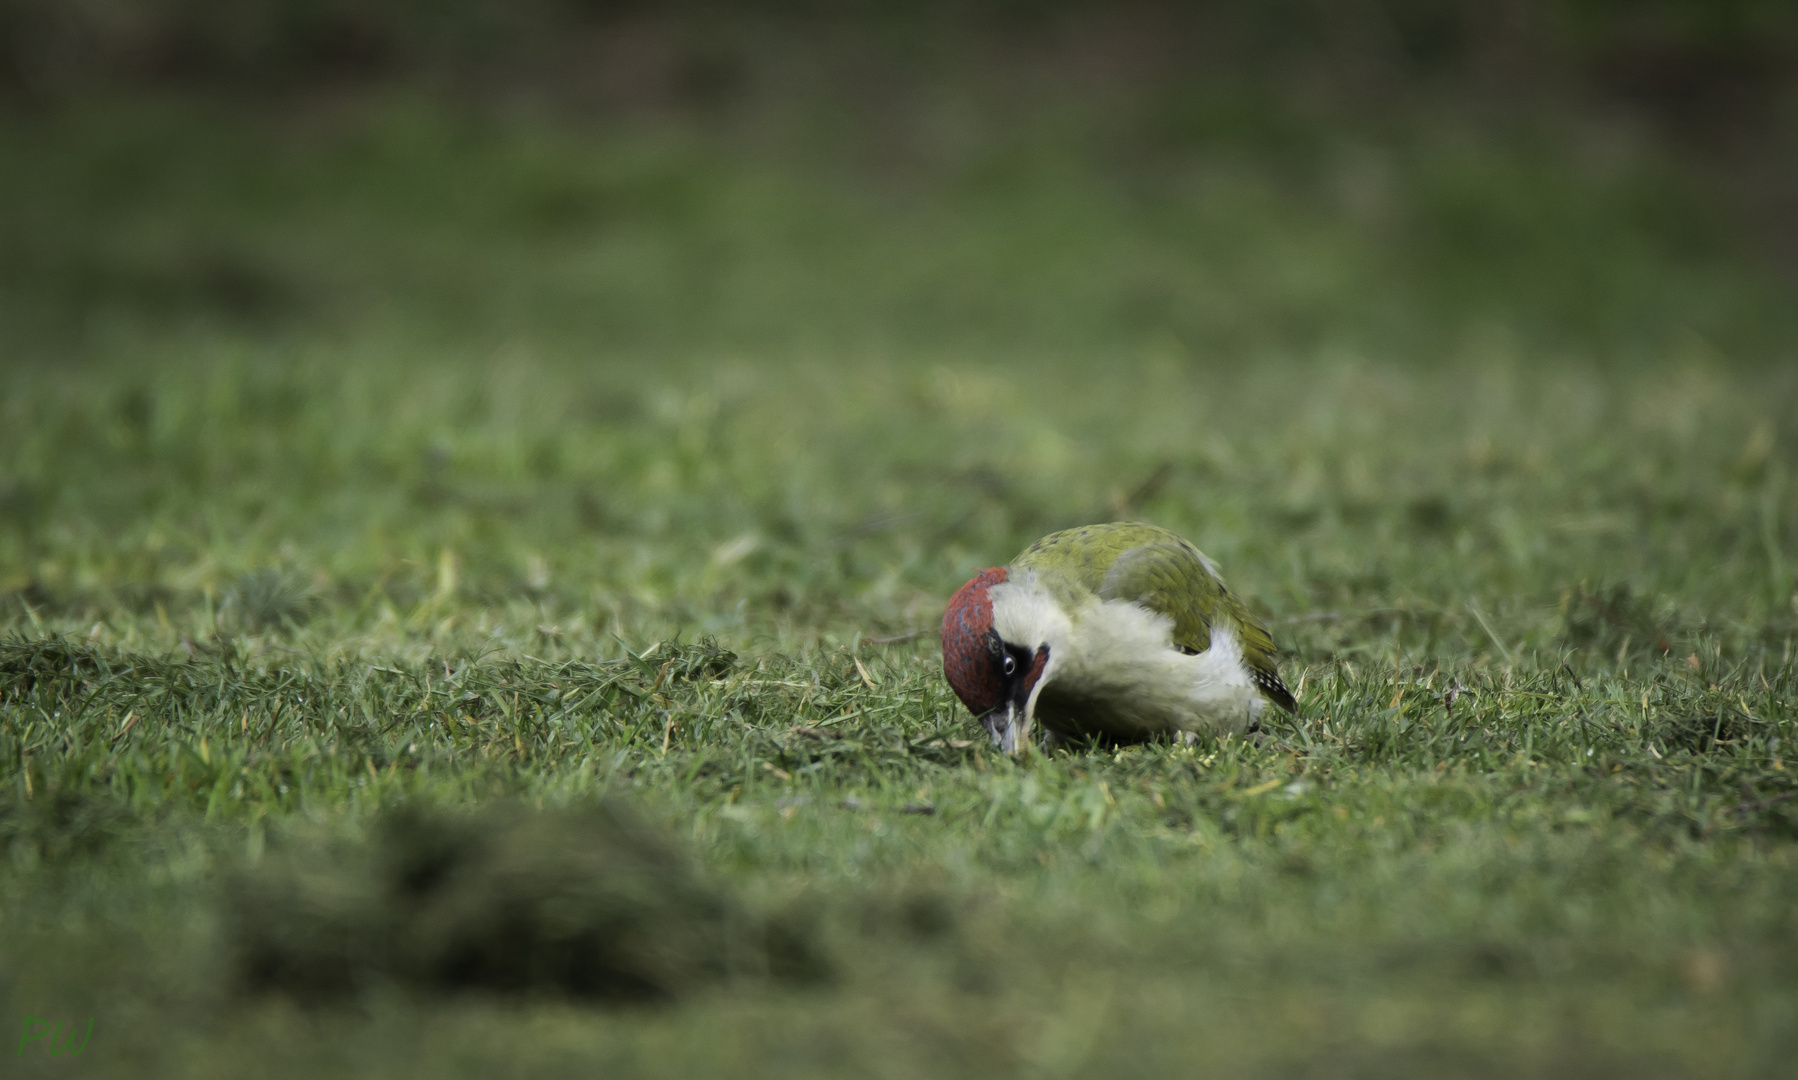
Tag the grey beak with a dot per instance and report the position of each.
(1006, 723)
(1009, 726)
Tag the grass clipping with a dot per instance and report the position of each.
(588, 904)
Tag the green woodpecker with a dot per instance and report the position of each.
(1121, 631)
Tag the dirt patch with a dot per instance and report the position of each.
(588, 904)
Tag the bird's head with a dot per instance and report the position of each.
(994, 664)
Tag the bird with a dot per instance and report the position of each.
(1124, 632)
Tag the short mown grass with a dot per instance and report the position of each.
(366, 476)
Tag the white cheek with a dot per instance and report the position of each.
(1028, 617)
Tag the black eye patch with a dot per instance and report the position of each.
(1017, 661)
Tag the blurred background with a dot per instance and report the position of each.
(574, 299)
(951, 174)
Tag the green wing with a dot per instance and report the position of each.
(1161, 571)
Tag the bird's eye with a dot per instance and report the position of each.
(1011, 665)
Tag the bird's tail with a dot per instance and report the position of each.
(1268, 682)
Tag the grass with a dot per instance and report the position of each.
(395, 463)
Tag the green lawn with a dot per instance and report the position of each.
(362, 470)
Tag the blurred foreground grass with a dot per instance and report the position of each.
(393, 460)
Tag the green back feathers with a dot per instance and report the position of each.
(1164, 573)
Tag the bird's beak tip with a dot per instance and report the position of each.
(1016, 740)
(1010, 730)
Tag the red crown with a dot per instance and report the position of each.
(968, 664)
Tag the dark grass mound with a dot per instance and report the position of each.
(587, 904)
